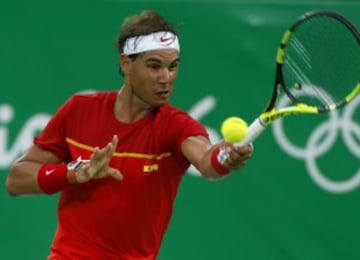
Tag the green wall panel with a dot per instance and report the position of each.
(294, 200)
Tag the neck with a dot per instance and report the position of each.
(128, 107)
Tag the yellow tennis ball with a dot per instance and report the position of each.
(234, 129)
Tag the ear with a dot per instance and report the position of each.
(125, 63)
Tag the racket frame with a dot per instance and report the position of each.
(271, 113)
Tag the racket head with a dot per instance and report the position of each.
(318, 62)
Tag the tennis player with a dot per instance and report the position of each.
(117, 157)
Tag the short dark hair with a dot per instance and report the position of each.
(145, 23)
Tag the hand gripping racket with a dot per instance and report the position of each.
(317, 68)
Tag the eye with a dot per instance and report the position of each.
(154, 66)
(174, 66)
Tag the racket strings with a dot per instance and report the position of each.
(321, 62)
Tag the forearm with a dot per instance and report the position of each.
(22, 179)
(40, 171)
(205, 157)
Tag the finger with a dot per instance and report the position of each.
(238, 158)
(243, 153)
(237, 154)
(116, 174)
(238, 165)
(100, 159)
(95, 154)
(106, 150)
(100, 154)
(114, 142)
(110, 148)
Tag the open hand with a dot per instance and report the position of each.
(98, 165)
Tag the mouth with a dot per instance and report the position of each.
(163, 94)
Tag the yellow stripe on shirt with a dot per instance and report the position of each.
(125, 154)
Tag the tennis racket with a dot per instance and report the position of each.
(317, 68)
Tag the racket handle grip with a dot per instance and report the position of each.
(254, 130)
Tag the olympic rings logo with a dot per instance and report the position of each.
(321, 140)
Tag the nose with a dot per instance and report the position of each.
(165, 75)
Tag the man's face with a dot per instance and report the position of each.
(152, 76)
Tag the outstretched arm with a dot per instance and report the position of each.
(40, 171)
(199, 151)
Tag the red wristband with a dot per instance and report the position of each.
(53, 178)
(218, 167)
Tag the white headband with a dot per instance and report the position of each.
(150, 42)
